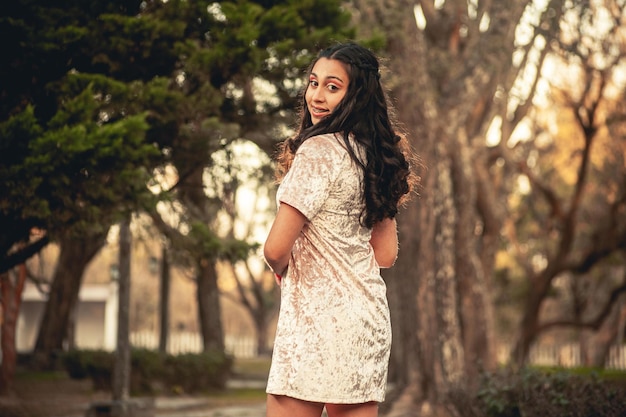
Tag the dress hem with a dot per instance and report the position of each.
(361, 400)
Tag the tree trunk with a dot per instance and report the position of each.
(76, 252)
(204, 211)
(209, 311)
(411, 280)
(476, 308)
(529, 325)
(441, 81)
(121, 369)
(260, 325)
(70, 340)
(11, 300)
(164, 299)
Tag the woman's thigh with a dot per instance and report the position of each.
(283, 406)
(352, 410)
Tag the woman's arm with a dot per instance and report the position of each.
(283, 234)
(384, 240)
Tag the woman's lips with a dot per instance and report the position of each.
(317, 112)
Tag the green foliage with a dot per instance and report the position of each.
(76, 169)
(146, 368)
(197, 372)
(101, 94)
(536, 392)
(94, 364)
(24, 128)
(72, 124)
(152, 372)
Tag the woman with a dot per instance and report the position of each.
(342, 178)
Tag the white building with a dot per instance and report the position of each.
(96, 317)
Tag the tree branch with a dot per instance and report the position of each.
(593, 324)
(9, 261)
(242, 291)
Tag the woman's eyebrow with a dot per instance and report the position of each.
(334, 77)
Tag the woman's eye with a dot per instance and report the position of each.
(332, 87)
(313, 83)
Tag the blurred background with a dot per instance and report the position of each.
(136, 151)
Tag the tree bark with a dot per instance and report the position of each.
(260, 324)
(193, 153)
(443, 83)
(76, 251)
(11, 301)
(261, 303)
(121, 368)
(164, 299)
(476, 308)
(209, 312)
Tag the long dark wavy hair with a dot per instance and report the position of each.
(363, 113)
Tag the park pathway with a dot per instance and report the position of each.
(199, 407)
(192, 407)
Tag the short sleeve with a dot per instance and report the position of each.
(314, 170)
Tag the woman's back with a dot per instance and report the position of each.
(333, 299)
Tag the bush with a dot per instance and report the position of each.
(198, 372)
(94, 364)
(146, 371)
(74, 363)
(536, 392)
(151, 371)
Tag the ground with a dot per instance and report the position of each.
(56, 395)
(53, 396)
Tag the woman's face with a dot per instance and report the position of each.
(328, 84)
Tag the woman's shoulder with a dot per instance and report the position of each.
(326, 143)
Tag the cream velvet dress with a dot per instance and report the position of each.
(334, 335)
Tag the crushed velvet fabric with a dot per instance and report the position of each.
(334, 335)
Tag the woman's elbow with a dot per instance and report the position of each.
(271, 256)
(386, 259)
(385, 265)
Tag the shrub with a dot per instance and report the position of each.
(151, 371)
(94, 364)
(544, 392)
(198, 372)
(75, 364)
(146, 371)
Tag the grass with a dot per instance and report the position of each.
(251, 368)
(244, 369)
(26, 376)
(613, 375)
(42, 394)
(238, 396)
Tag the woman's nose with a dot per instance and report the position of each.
(318, 94)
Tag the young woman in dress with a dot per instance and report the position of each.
(342, 178)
